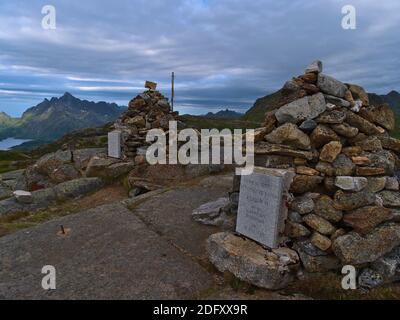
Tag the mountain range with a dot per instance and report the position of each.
(53, 118)
(224, 114)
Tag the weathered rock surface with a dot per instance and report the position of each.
(382, 115)
(361, 124)
(359, 93)
(332, 117)
(252, 263)
(319, 224)
(320, 241)
(5, 191)
(316, 67)
(322, 135)
(324, 207)
(390, 199)
(306, 108)
(24, 197)
(343, 166)
(314, 259)
(330, 151)
(345, 130)
(351, 183)
(276, 149)
(350, 201)
(296, 230)
(213, 213)
(302, 205)
(305, 183)
(355, 249)
(365, 219)
(331, 86)
(289, 134)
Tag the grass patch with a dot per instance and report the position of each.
(328, 287)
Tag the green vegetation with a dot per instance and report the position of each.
(202, 122)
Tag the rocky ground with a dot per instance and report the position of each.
(150, 251)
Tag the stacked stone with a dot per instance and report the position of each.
(148, 110)
(346, 195)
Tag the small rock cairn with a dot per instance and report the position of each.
(148, 110)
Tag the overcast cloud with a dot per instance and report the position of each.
(225, 53)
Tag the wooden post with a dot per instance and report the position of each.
(172, 90)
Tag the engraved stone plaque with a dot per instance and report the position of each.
(114, 144)
(262, 208)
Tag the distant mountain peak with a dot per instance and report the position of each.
(393, 93)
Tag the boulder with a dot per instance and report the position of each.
(361, 124)
(296, 230)
(324, 207)
(382, 116)
(108, 168)
(351, 183)
(306, 108)
(289, 134)
(390, 199)
(330, 151)
(319, 224)
(320, 241)
(252, 263)
(364, 220)
(212, 213)
(351, 201)
(337, 102)
(331, 86)
(331, 117)
(5, 191)
(314, 259)
(24, 197)
(345, 130)
(302, 205)
(315, 67)
(356, 249)
(77, 188)
(343, 166)
(376, 184)
(359, 93)
(305, 183)
(322, 135)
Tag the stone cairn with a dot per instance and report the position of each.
(344, 209)
(148, 110)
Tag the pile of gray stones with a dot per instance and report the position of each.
(345, 199)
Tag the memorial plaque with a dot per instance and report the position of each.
(114, 144)
(262, 208)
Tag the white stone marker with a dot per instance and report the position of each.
(262, 205)
(114, 144)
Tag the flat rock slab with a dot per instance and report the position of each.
(170, 213)
(108, 253)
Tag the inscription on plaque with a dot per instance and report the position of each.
(261, 205)
(114, 144)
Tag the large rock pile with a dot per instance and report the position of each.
(149, 110)
(345, 192)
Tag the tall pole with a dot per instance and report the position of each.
(172, 90)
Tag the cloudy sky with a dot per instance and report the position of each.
(225, 53)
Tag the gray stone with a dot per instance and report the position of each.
(308, 125)
(77, 188)
(302, 205)
(392, 183)
(289, 134)
(24, 197)
(295, 217)
(351, 183)
(262, 210)
(331, 86)
(369, 279)
(388, 266)
(252, 263)
(355, 249)
(5, 191)
(390, 199)
(316, 67)
(306, 108)
(314, 259)
(337, 101)
(12, 175)
(81, 157)
(211, 213)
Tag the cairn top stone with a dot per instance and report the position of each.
(316, 66)
(150, 85)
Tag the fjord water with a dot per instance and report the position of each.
(8, 143)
